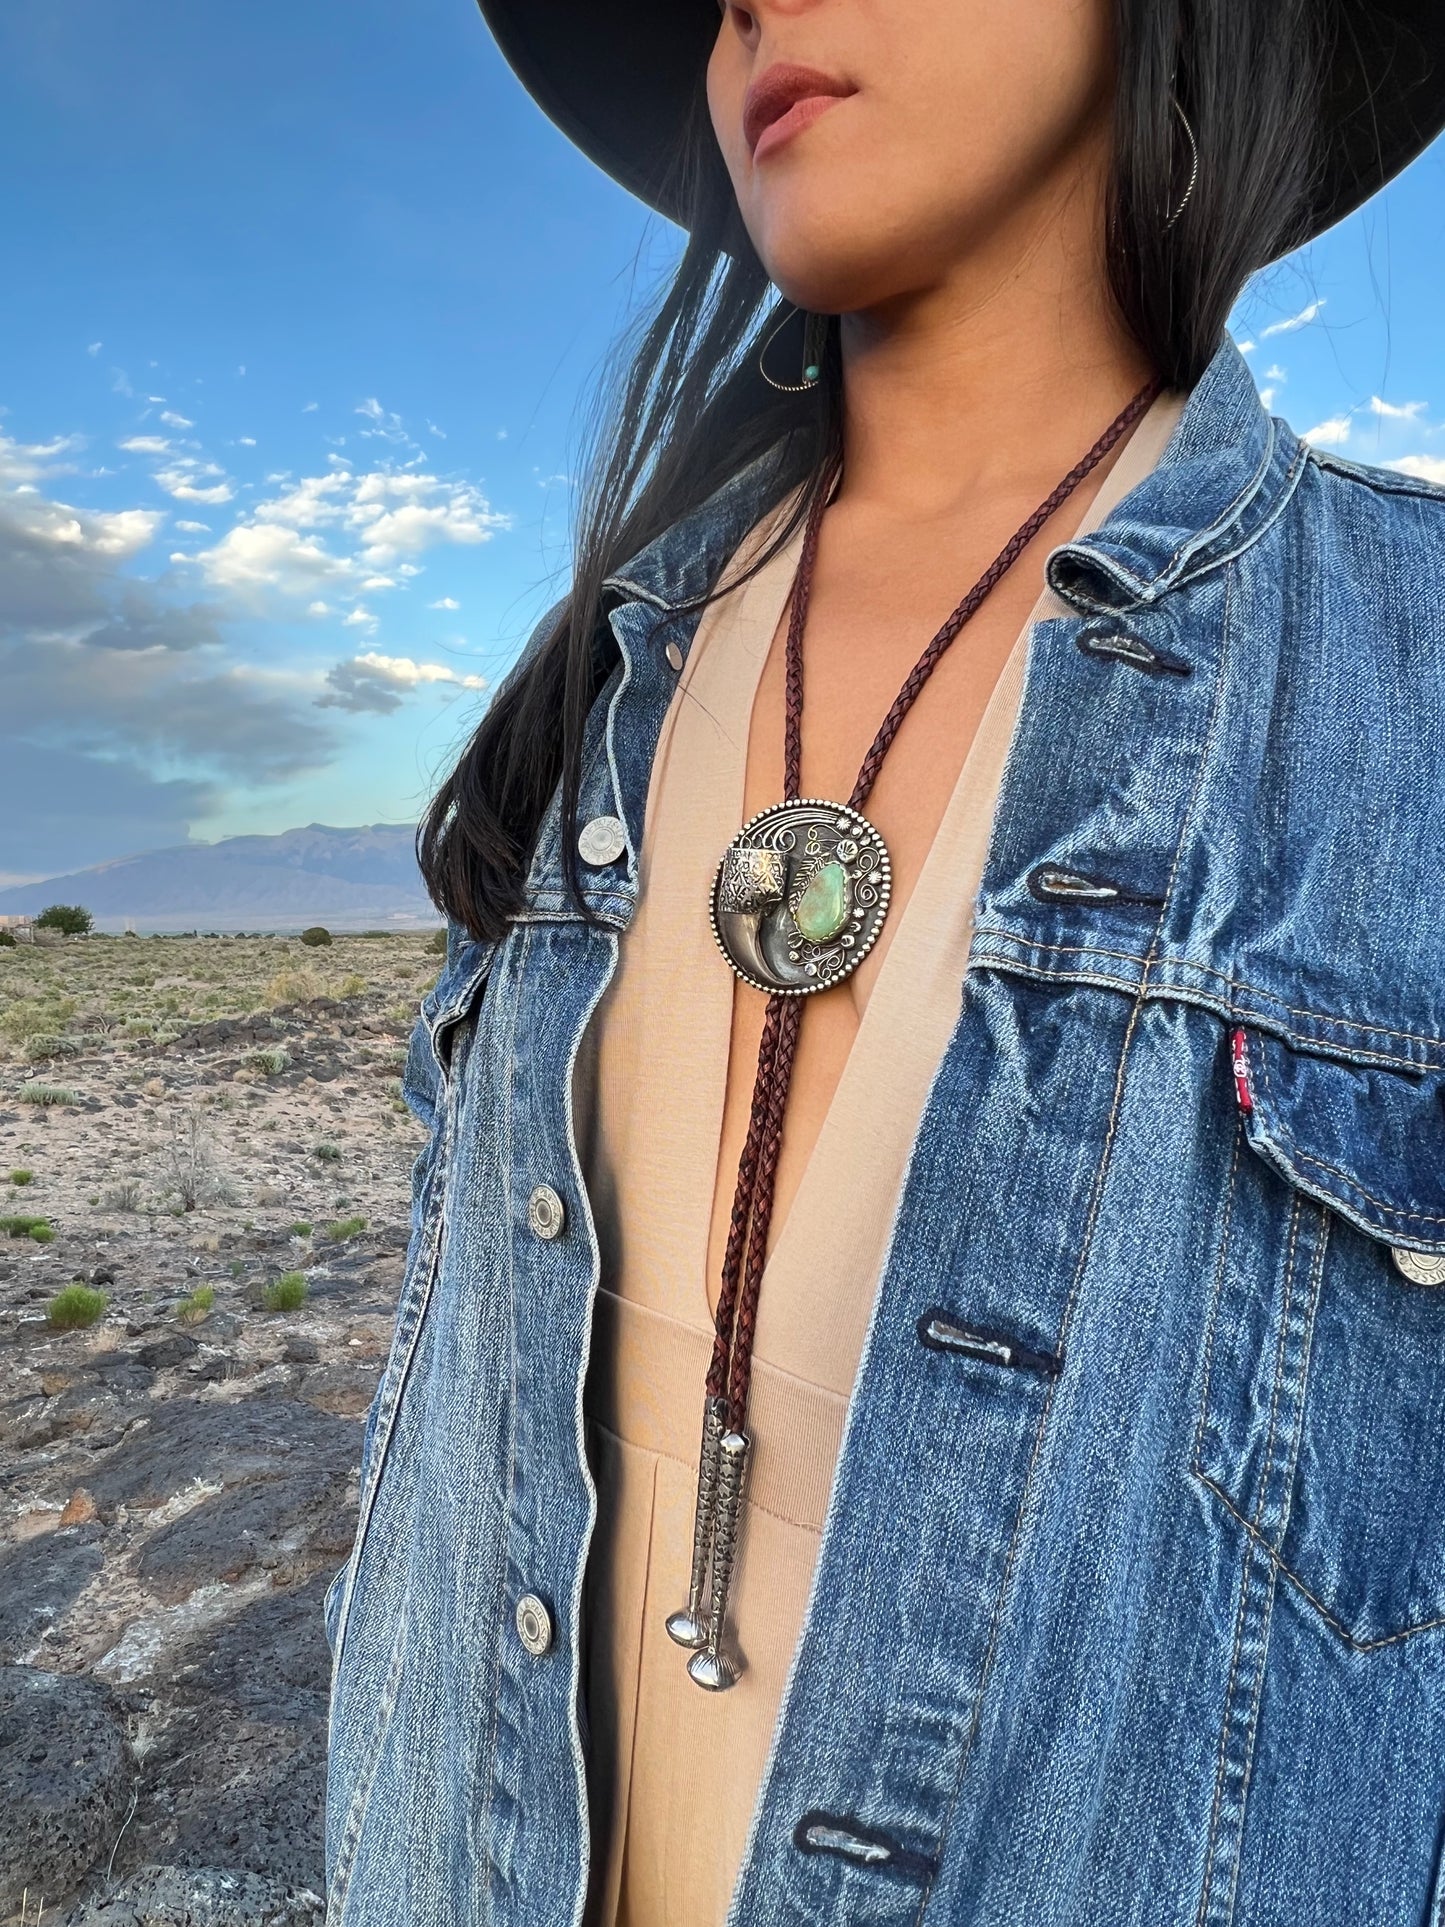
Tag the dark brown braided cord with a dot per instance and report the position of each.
(736, 1317)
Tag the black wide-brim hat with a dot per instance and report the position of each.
(620, 80)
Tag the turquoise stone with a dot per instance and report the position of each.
(823, 907)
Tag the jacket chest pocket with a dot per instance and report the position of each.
(1322, 1421)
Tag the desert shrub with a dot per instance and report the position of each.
(294, 987)
(22, 1177)
(300, 1231)
(124, 1196)
(194, 1308)
(328, 1153)
(7, 940)
(37, 1229)
(345, 1228)
(47, 1095)
(29, 1017)
(436, 943)
(286, 1293)
(68, 918)
(272, 1060)
(317, 937)
(74, 1307)
(46, 1045)
(192, 1175)
(351, 986)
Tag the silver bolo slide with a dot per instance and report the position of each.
(722, 1465)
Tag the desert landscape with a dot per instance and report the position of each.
(204, 1185)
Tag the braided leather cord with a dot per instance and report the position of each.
(730, 1371)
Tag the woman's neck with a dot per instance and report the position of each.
(1001, 373)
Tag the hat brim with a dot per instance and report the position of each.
(620, 84)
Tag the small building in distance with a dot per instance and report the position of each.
(22, 929)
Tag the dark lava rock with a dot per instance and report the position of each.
(192, 1438)
(344, 1389)
(300, 1351)
(173, 1349)
(394, 1237)
(201, 1897)
(103, 1275)
(26, 1423)
(236, 1778)
(39, 1579)
(213, 1369)
(65, 1774)
(229, 1535)
(124, 1372)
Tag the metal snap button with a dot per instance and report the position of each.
(602, 840)
(545, 1211)
(1420, 1267)
(674, 655)
(534, 1625)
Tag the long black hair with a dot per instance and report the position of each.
(689, 409)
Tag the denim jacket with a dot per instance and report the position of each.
(1137, 1617)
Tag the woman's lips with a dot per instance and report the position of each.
(783, 100)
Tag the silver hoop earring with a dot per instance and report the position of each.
(815, 334)
(1193, 161)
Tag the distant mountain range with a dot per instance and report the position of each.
(347, 879)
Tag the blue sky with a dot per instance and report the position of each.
(302, 304)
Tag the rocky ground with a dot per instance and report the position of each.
(178, 1479)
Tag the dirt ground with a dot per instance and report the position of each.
(184, 1122)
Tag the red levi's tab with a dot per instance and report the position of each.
(1239, 1063)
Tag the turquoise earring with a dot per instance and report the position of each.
(815, 340)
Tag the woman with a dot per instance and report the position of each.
(1022, 1139)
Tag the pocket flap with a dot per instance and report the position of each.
(1368, 1142)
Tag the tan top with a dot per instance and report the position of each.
(649, 1094)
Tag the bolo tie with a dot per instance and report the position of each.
(797, 902)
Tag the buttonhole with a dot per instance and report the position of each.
(1120, 646)
(850, 1840)
(941, 1332)
(1052, 883)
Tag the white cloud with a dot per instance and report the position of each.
(318, 608)
(359, 618)
(1295, 321)
(195, 528)
(120, 382)
(1425, 468)
(384, 423)
(246, 441)
(445, 602)
(310, 407)
(25, 462)
(1331, 434)
(264, 555)
(1276, 373)
(146, 445)
(440, 433)
(1408, 411)
(378, 684)
(378, 582)
(1267, 397)
(186, 482)
(173, 420)
(95, 347)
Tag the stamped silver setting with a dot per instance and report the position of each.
(800, 866)
(1420, 1267)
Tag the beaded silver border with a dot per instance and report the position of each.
(885, 895)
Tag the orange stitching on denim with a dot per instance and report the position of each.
(1288, 1572)
(1220, 976)
(1350, 1182)
(1212, 1321)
